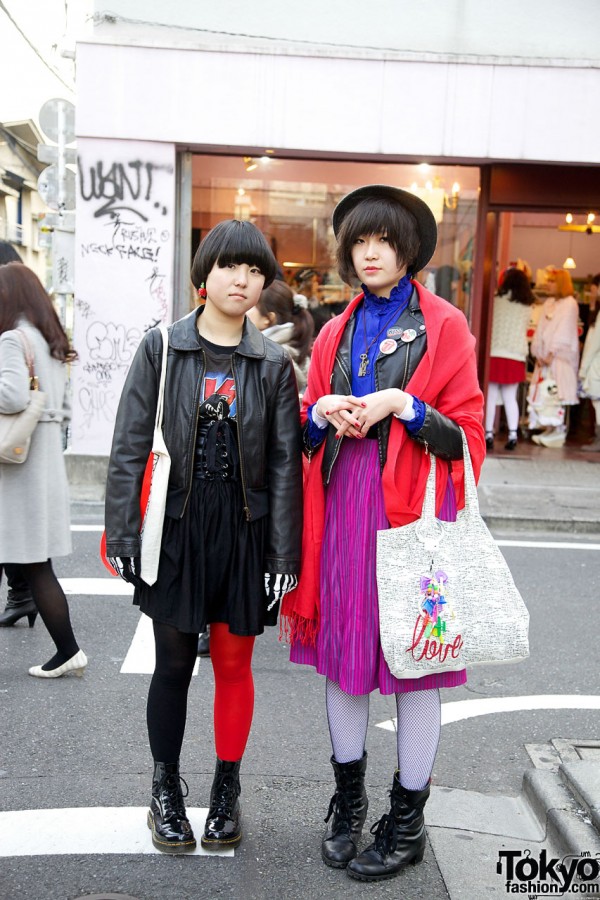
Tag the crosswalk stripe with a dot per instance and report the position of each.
(98, 587)
(87, 830)
(141, 656)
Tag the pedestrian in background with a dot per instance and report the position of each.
(34, 496)
(391, 380)
(589, 370)
(19, 599)
(555, 347)
(508, 352)
(283, 317)
(231, 538)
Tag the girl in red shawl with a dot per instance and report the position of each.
(390, 380)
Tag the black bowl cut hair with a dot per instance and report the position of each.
(233, 241)
(371, 217)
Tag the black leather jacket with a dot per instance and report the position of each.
(268, 432)
(439, 433)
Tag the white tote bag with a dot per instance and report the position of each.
(447, 598)
(154, 517)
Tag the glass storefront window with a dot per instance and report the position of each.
(292, 200)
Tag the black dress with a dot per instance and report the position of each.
(211, 564)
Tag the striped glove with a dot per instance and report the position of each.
(276, 586)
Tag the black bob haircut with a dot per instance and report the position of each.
(372, 216)
(233, 241)
(8, 254)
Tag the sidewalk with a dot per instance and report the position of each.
(532, 489)
(541, 491)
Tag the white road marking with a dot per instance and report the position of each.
(141, 656)
(458, 710)
(540, 545)
(97, 587)
(92, 830)
(549, 545)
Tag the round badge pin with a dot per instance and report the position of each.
(408, 335)
(388, 346)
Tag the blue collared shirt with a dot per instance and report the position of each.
(374, 315)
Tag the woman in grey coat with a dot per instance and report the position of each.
(34, 501)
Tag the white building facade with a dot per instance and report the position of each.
(171, 97)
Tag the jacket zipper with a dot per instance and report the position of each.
(194, 436)
(338, 443)
(247, 512)
(403, 385)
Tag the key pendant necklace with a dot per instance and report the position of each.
(363, 369)
(364, 362)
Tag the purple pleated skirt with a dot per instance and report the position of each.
(348, 648)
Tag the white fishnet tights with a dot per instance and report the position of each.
(418, 734)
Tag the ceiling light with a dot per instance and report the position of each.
(424, 168)
(569, 263)
(250, 164)
(568, 218)
(590, 218)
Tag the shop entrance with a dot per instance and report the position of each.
(523, 217)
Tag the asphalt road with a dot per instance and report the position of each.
(81, 743)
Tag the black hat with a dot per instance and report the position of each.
(426, 227)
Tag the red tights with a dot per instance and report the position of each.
(231, 657)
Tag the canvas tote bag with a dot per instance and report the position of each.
(447, 598)
(16, 428)
(154, 516)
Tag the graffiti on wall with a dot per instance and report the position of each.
(124, 266)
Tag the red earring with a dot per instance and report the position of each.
(202, 291)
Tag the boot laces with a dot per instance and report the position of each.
(224, 797)
(171, 795)
(339, 806)
(386, 834)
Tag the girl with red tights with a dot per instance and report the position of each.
(231, 539)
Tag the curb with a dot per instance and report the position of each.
(557, 526)
(566, 820)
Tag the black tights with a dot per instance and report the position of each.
(52, 604)
(167, 698)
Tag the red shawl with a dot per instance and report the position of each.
(446, 379)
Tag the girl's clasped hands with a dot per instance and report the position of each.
(353, 416)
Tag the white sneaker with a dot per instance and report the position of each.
(555, 440)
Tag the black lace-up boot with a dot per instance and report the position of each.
(349, 807)
(399, 837)
(223, 824)
(167, 819)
